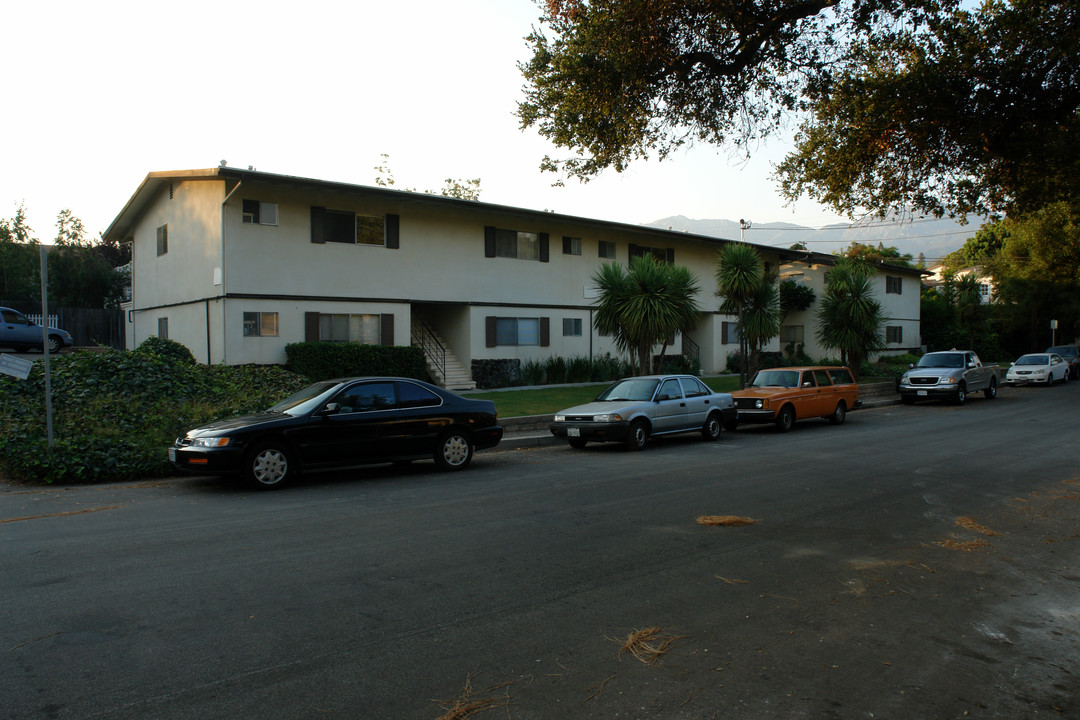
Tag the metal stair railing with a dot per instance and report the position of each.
(691, 351)
(424, 337)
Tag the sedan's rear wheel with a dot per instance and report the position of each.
(55, 344)
(454, 451)
(269, 466)
(637, 435)
(711, 429)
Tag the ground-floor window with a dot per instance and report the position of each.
(730, 333)
(518, 331)
(163, 327)
(363, 328)
(791, 334)
(260, 324)
(571, 327)
(894, 334)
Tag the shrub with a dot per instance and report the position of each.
(165, 348)
(115, 413)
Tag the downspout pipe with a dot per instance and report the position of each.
(224, 328)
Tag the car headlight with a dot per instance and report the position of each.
(759, 403)
(608, 417)
(210, 442)
(560, 418)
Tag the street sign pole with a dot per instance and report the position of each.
(45, 345)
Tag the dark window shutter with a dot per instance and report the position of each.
(387, 329)
(544, 239)
(671, 256)
(899, 286)
(489, 245)
(393, 231)
(489, 330)
(566, 245)
(311, 327)
(545, 331)
(318, 234)
(633, 252)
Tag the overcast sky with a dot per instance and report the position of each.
(96, 95)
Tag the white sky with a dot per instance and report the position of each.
(98, 94)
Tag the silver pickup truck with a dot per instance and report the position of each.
(949, 375)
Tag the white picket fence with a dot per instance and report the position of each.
(54, 320)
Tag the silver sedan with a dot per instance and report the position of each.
(633, 409)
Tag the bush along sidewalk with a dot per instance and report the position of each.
(115, 413)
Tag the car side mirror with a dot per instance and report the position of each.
(808, 384)
(331, 409)
(660, 398)
(911, 365)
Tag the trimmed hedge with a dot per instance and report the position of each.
(325, 360)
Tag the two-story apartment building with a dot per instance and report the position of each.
(236, 264)
(897, 288)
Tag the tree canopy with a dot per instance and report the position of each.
(903, 105)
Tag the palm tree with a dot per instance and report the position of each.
(644, 305)
(762, 318)
(849, 318)
(739, 276)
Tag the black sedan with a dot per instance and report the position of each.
(342, 423)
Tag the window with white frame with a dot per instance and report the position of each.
(340, 327)
(571, 327)
(893, 284)
(260, 324)
(517, 244)
(260, 213)
(163, 239)
(571, 245)
(607, 249)
(730, 333)
(894, 334)
(517, 331)
(791, 334)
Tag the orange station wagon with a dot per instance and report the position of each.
(784, 395)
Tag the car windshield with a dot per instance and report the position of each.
(1065, 351)
(776, 378)
(1033, 360)
(639, 389)
(304, 401)
(942, 360)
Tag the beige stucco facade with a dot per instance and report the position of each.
(236, 284)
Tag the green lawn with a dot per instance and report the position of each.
(547, 400)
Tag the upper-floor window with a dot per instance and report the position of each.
(500, 242)
(260, 324)
(571, 245)
(351, 228)
(893, 284)
(163, 239)
(607, 249)
(260, 213)
(664, 254)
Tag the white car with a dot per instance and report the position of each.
(1046, 368)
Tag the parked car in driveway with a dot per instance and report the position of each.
(1045, 368)
(784, 395)
(1071, 355)
(20, 334)
(634, 409)
(949, 375)
(342, 423)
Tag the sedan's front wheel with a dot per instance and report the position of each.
(269, 466)
(454, 451)
(637, 435)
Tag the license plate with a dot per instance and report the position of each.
(172, 454)
(921, 393)
(573, 432)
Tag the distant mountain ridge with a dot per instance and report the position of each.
(933, 238)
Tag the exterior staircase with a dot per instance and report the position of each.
(444, 366)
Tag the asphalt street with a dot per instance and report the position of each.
(916, 562)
